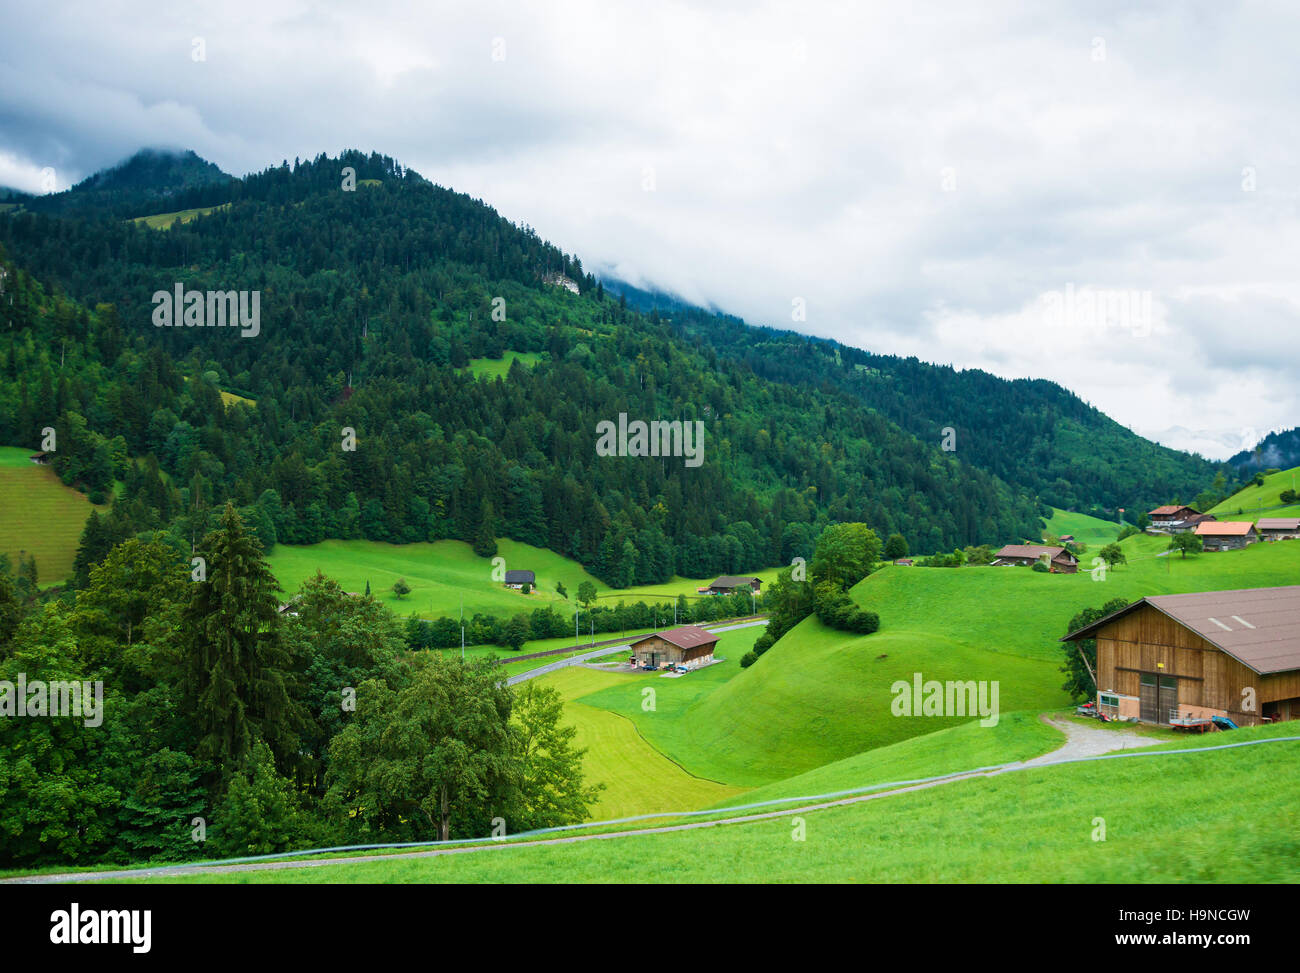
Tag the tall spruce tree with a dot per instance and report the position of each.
(235, 667)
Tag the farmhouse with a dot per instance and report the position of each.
(1170, 514)
(517, 579)
(1060, 560)
(1191, 523)
(727, 584)
(1278, 528)
(688, 645)
(1226, 535)
(1233, 654)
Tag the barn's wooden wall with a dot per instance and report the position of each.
(1150, 641)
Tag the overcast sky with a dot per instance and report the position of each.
(958, 181)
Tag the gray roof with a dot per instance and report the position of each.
(1279, 523)
(519, 577)
(732, 581)
(684, 637)
(1259, 627)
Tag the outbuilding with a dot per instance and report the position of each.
(1192, 657)
(1059, 559)
(1226, 535)
(1278, 528)
(686, 645)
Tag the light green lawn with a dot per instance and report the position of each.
(1184, 818)
(165, 221)
(1091, 531)
(1261, 501)
(441, 573)
(499, 367)
(39, 515)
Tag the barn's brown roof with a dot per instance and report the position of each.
(1259, 627)
(733, 581)
(1279, 523)
(684, 637)
(1031, 550)
(1224, 528)
(1167, 510)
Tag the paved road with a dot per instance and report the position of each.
(578, 660)
(1089, 741)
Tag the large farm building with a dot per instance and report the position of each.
(688, 645)
(1179, 658)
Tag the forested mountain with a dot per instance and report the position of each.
(1031, 433)
(372, 303)
(1277, 450)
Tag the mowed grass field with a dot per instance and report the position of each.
(39, 515)
(820, 695)
(500, 367)
(1038, 825)
(638, 778)
(165, 221)
(1089, 530)
(442, 573)
(1261, 501)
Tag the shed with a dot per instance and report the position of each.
(517, 579)
(1278, 528)
(1226, 535)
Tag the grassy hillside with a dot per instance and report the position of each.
(1089, 530)
(1035, 825)
(499, 367)
(1261, 501)
(638, 778)
(819, 696)
(39, 515)
(443, 572)
(165, 221)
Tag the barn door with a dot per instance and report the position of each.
(1148, 698)
(1168, 698)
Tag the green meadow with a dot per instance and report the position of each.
(39, 515)
(1089, 530)
(165, 221)
(500, 367)
(1261, 501)
(1041, 825)
(443, 574)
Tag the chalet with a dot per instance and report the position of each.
(1059, 559)
(727, 584)
(1169, 514)
(1192, 657)
(517, 579)
(1226, 535)
(1278, 528)
(40, 459)
(906, 562)
(687, 645)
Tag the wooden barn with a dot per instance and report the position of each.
(687, 645)
(1226, 535)
(727, 584)
(1059, 559)
(1187, 658)
(1278, 528)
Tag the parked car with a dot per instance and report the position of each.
(681, 669)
